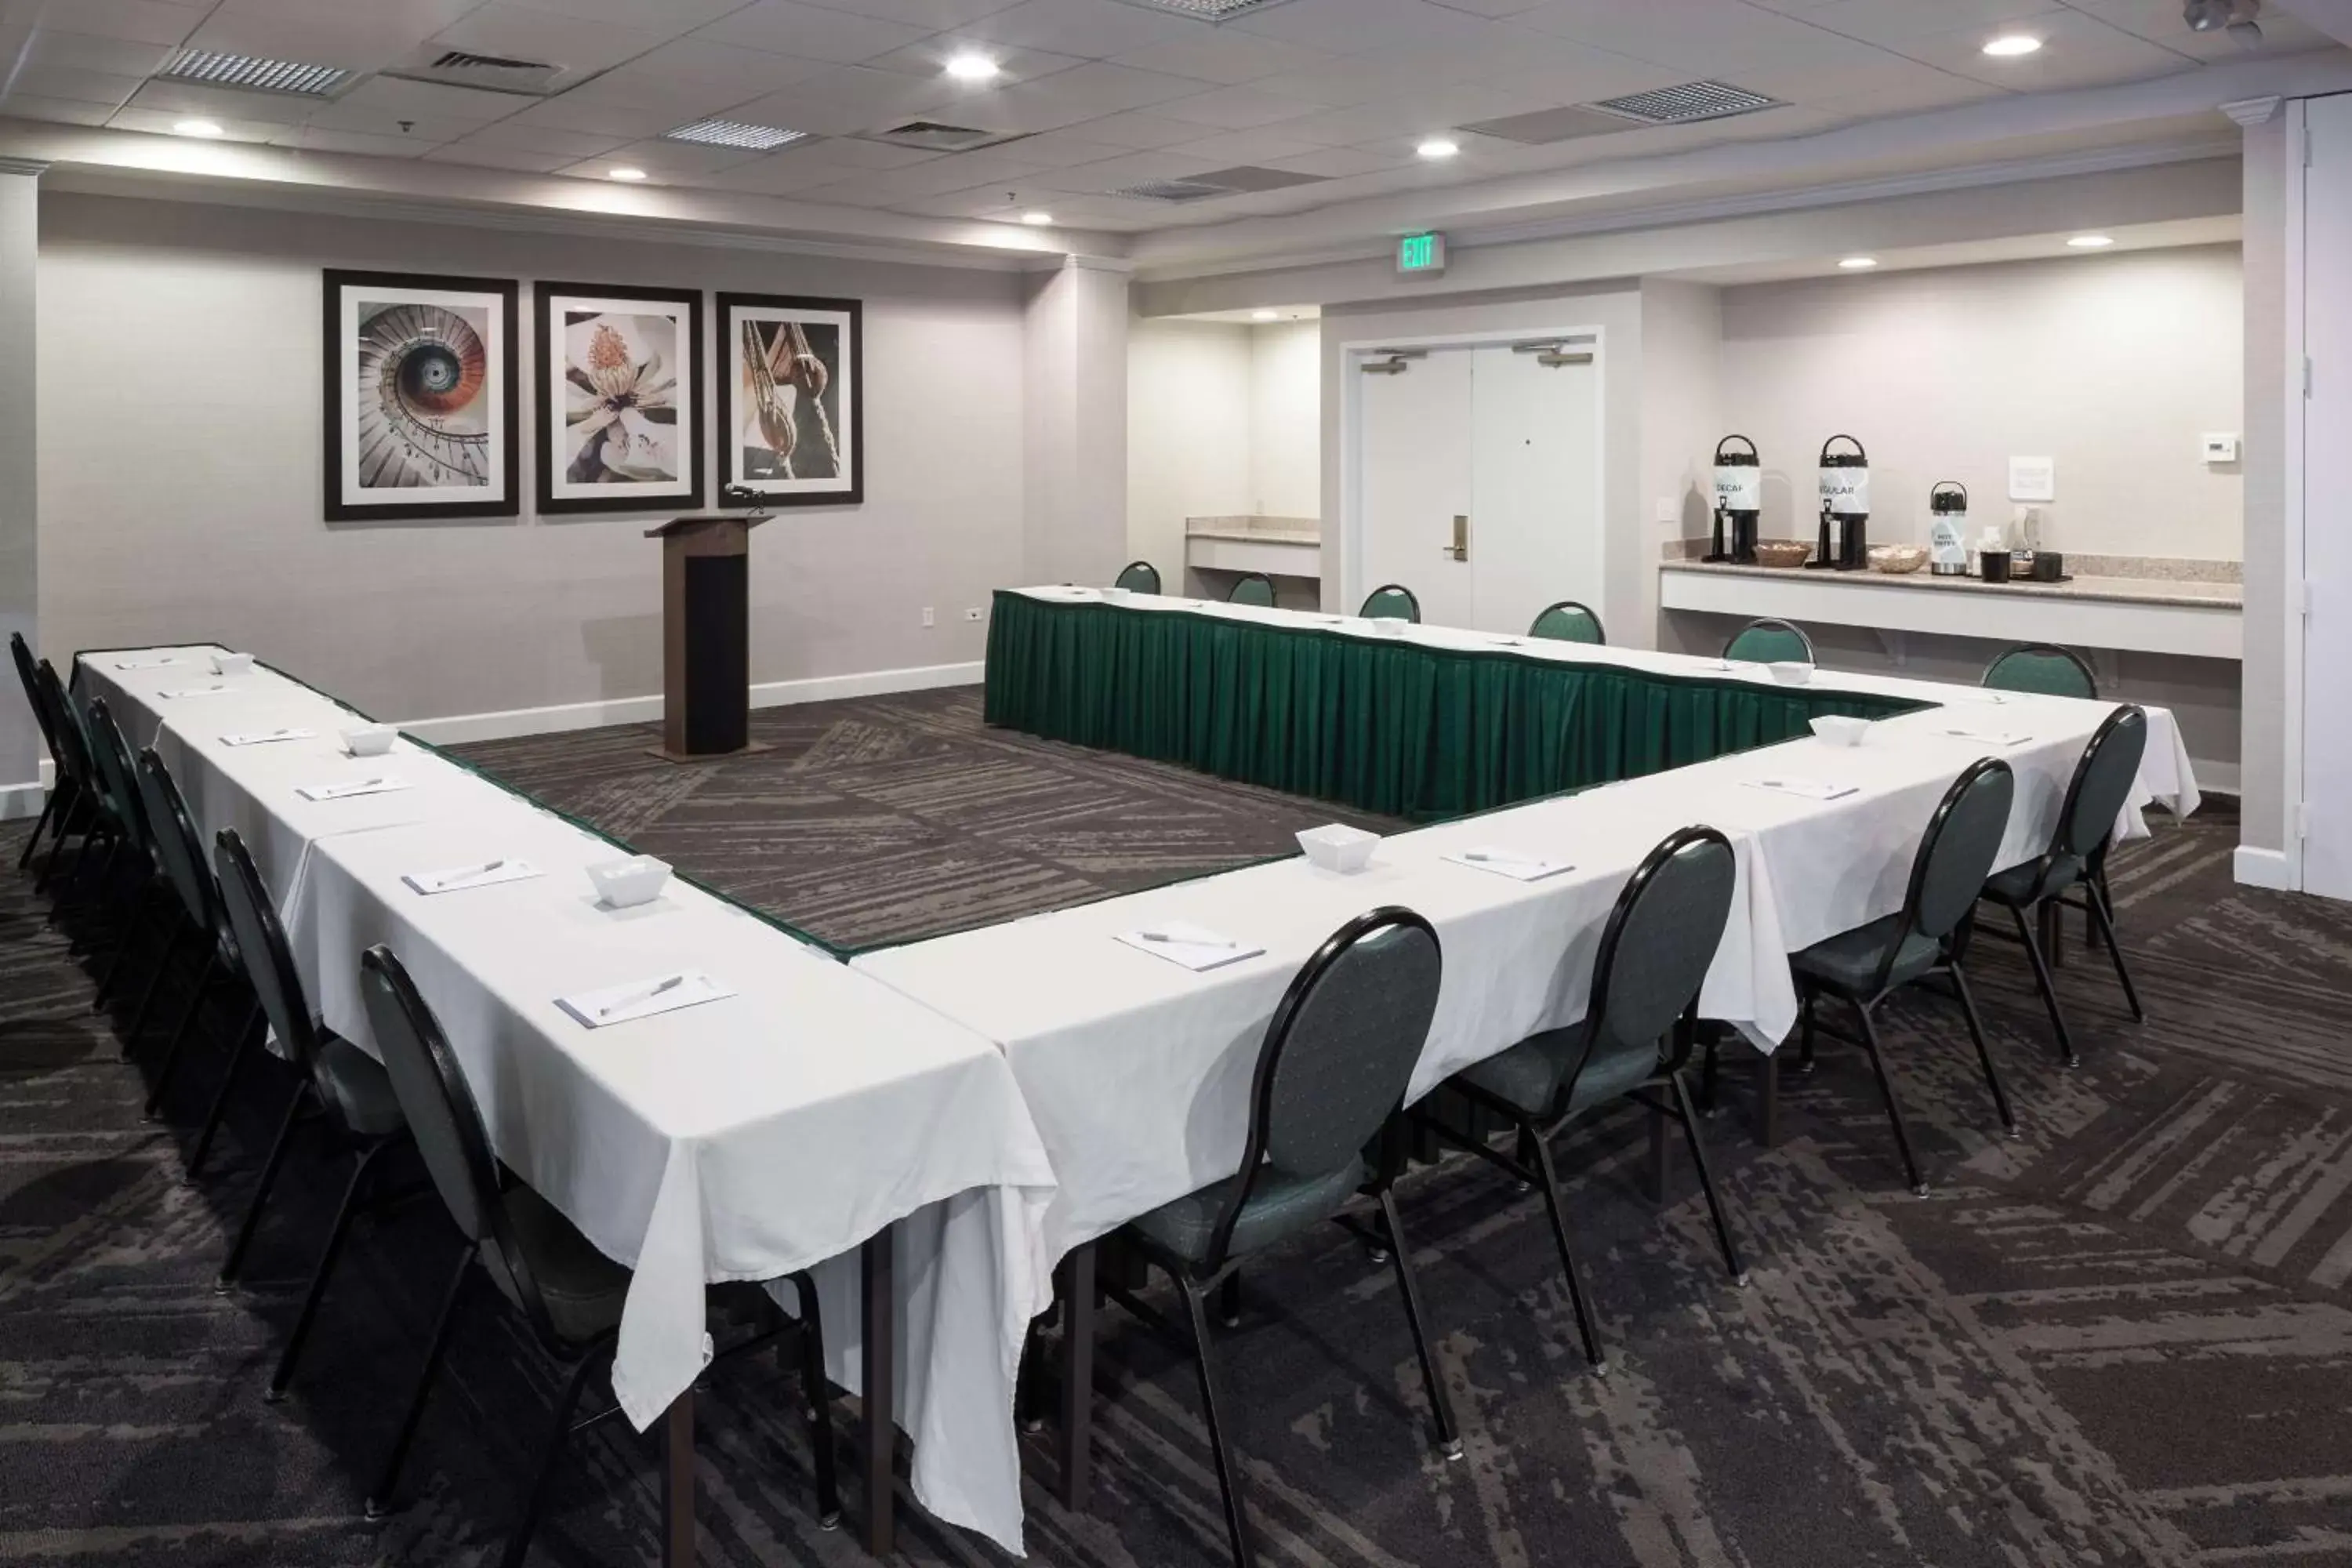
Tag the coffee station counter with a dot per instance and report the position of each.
(2157, 613)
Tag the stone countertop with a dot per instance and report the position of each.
(1259, 535)
(2195, 595)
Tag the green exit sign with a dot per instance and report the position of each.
(1421, 253)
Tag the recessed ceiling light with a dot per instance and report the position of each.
(1037, 219)
(1438, 147)
(197, 128)
(1265, 315)
(1859, 263)
(2008, 46)
(974, 67)
(2090, 242)
(627, 173)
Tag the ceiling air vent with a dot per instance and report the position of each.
(290, 77)
(1546, 126)
(734, 133)
(491, 73)
(936, 136)
(1230, 182)
(1206, 10)
(1693, 100)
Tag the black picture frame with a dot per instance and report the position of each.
(548, 300)
(842, 404)
(502, 495)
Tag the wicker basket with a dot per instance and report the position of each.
(1898, 558)
(1781, 553)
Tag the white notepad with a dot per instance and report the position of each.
(197, 691)
(655, 994)
(345, 791)
(147, 663)
(481, 874)
(1812, 789)
(263, 737)
(1195, 948)
(1509, 863)
(1990, 737)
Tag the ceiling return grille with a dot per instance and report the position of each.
(217, 69)
(1206, 10)
(1693, 100)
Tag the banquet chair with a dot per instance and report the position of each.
(2076, 858)
(1393, 600)
(112, 754)
(1654, 951)
(1138, 576)
(85, 813)
(569, 1293)
(1770, 641)
(1923, 939)
(60, 798)
(338, 1087)
(1330, 1076)
(1253, 588)
(2041, 668)
(1568, 621)
(181, 849)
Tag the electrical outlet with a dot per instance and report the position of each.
(974, 613)
(929, 619)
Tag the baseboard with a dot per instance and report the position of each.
(518, 721)
(2263, 868)
(22, 799)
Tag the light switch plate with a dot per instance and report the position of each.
(2034, 479)
(2218, 446)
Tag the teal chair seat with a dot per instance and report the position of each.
(1394, 601)
(1568, 621)
(1141, 576)
(1529, 1074)
(2042, 668)
(1770, 642)
(1278, 1204)
(1253, 588)
(1852, 961)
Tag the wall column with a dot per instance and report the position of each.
(1074, 423)
(2270, 186)
(21, 752)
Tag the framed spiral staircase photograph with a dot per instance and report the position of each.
(791, 394)
(420, 396)
(617, 380)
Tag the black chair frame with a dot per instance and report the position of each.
(488, 1177)
(1948, 966)
(200, 912)
(1667, 1094)
(1217, 1274)
(60, 800)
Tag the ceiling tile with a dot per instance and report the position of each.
(680, 97)
(850, 98)
(67, 112)
(399, 98)
(670, 162)
(1888, 21)
(2160, 21)
(1141, 129)
(357, 38)
(520, 136)
(520, 160)
(1236, 108)
(956, 172)
(1112, 173)
(72, 83)
(1496, 9)
(728, 68)
(790, 29)
(774, 176)
(645, 16)
(2076, 52)
(133, 117)
(1243, 147)
(936, 15)
(222, 103)
(133, 21)
(1095, 28)
(1335, 163)
(1699, 37)
(524, 32)
(1226, 58)
(595, 119)
(1085, 93)
(80, 51)
(318, 138)
(930, 57)
(1066, 148)
(1346, 26)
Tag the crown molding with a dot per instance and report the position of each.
(34, 166)
(2252, 112)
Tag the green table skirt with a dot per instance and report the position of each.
(1387, 727)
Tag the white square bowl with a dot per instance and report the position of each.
(368, 740)
(1389, 625)
(1791, 672)
(624, 884)
(232, 663)
(1841, 729)
(1338, 846)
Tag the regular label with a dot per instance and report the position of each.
(1846, 491)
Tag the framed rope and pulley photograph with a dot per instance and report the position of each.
(791, 401)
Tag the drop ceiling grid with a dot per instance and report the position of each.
(1113, 93)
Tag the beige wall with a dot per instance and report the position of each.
(2115, 365)
(1188, 434)
(1286, 419)
(21, 753)
(180, 471)
(1682, 419)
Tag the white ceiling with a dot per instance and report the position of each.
(1104, 93)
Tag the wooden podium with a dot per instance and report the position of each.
(706, 638)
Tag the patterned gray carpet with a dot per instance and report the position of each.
(2125, 1340)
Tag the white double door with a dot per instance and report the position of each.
(1496, 450)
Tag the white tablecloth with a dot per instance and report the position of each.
(1138, 1071)
(743, 1139)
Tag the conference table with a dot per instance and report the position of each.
(1045, 1080)
(1138, 1071)
(814, 1119)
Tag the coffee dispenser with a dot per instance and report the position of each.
(1739, 499)
(1948, 528)
(1845, 508)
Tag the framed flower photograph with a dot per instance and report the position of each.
(420, 396)
(791, 401)
(619, 383)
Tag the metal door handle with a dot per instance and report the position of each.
(1460, 548)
